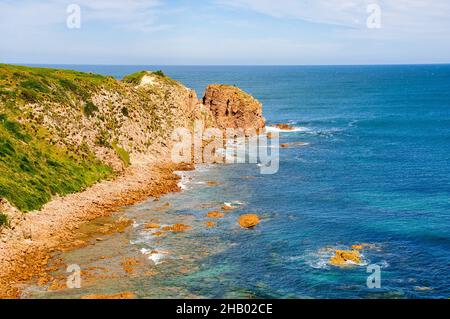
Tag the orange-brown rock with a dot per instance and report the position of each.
(212, 183)
(129, 264)
(122, 295)
(177, 228)
(228, 207)
(210, 224)
(215, 214)
(343, 258)
(360, 246)
(233, 108)
(248, 220)
(152, 226)
(285, 127)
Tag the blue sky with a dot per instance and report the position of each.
(225, 32)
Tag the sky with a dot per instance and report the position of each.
(224, 32)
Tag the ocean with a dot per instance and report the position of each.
(375, 169)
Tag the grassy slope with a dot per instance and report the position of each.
(31, 169)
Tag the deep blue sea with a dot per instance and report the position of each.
(376, 170)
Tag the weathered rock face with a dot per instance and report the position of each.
(233, 108)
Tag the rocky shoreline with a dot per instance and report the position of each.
(54, 227)
(123, 127)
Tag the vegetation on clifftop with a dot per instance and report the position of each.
(32, 169)
(22, 84)
(3, 219)
(136, 78)
(62, 131)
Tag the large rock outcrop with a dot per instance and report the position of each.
(233, 108)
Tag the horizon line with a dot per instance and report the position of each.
(228, 65)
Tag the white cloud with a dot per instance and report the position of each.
(398, 15)
(130, 31)
(134, 14)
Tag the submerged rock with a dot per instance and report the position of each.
(291, 145)
(122, 295)
(248, 220)
(424, 288)
(177, 228)
(361, 246)
(215, 214)
(152, 226)
(284, 127)
(129, 264)
(228, 207)
(210, 224)
(212, 183)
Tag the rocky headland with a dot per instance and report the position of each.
(77, 146)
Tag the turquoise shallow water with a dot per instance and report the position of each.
(376, 170)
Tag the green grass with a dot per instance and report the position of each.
(32, 171)
(159, 73)
(134, 78)
(89, 109)
(3, 220)
(123, 154)
(34, 85)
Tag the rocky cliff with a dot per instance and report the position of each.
(233, 108)
(62, 131)
(76, 146)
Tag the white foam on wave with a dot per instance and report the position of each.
(155, 256)
(273, 129)
(184, 181)
(233, 203)
(321, 259)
